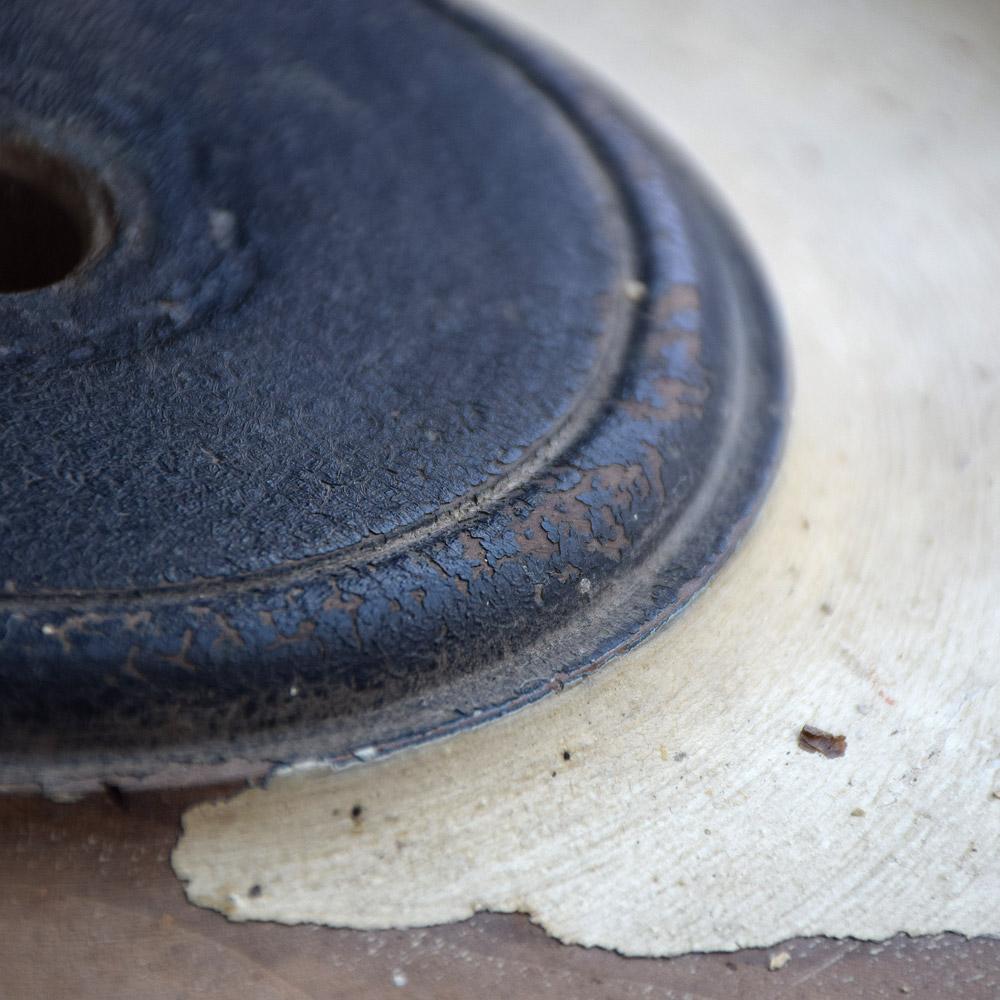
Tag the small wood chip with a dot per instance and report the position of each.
(820, 741)
(779, 961)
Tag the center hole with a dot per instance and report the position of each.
(54, 217)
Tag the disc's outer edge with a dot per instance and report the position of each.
(706, 371)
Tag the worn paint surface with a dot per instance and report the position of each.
(863, 150)
(135, 649)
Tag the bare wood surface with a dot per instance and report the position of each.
(90, 910)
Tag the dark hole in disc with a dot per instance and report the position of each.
(45, 229)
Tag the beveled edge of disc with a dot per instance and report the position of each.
(697, 277)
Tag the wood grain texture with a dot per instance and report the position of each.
(90, 910)
(861, 147)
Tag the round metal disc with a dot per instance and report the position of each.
(398, 378)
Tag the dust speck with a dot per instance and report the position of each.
(635, 291)
(779, 961)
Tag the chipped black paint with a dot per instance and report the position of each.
(566, 550)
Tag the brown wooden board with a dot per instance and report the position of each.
(91, 910)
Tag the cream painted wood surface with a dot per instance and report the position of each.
(860, 146)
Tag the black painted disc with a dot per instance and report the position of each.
(398, 379)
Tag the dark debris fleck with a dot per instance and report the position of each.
(820, 741)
